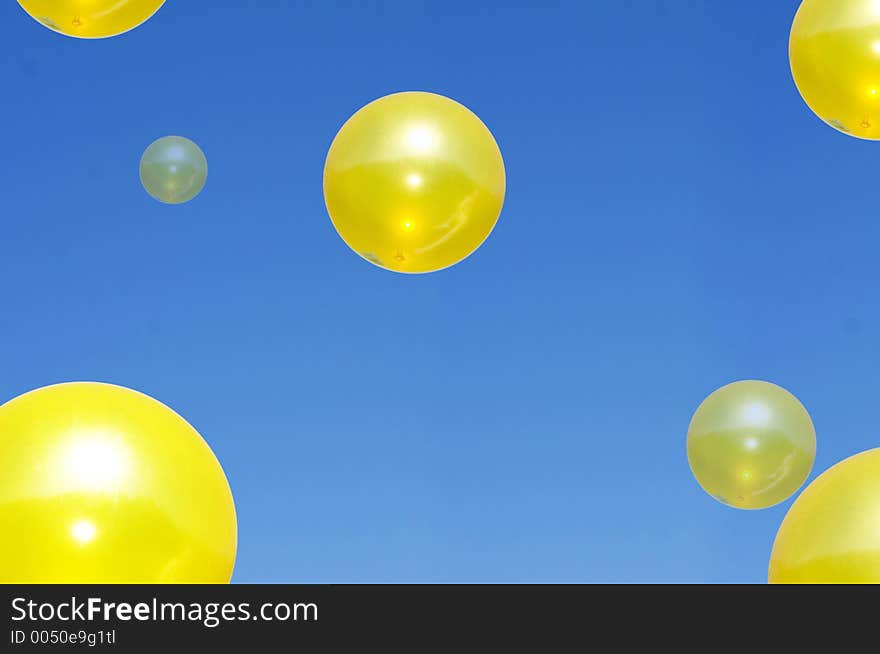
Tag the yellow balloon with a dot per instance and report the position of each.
(91, 19)
(100, 484)
(831, 534)
(835, 60)
(751, 444)
(414, 182)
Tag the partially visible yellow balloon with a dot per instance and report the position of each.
(831, 534)
(414, 182)
(751, 444)
(100, 484)
(834, 50)
(91, 19)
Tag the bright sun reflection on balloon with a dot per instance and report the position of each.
(414, 180)
(83, 531)
(421, 139)
(97, 461)
(756, 413)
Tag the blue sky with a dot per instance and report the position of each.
(676, 219)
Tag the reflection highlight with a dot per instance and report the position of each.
(83, 531)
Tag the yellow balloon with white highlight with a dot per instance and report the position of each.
(414, 182)
(834, 50)
(751, 444)
(101, 484)
(831, 534)
(91, 19)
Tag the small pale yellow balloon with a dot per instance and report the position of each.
(101, 484)
(91, 19)
(751, 444)
(414, 182)
(831, 534)
(835, 60)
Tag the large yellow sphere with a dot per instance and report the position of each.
(831, 533)
(100, 484)
(751, 444)
(835, 59)
(414, 182)
(91, 19)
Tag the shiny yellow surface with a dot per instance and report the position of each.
(414, 182)
(831, 534)
(835, 60)
(100, 484)
(91, 19)
(751, 444)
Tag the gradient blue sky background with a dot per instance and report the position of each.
(676, 219)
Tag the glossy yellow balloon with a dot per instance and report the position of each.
(835, 60)
(414, 182)
(100, 484)
(91, 19)
(751, 444)
(831, 533)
